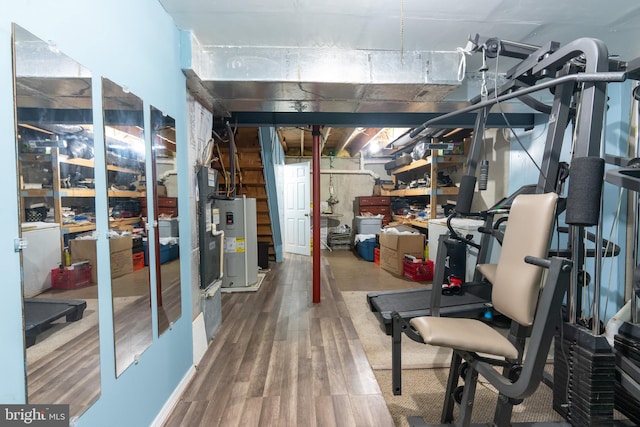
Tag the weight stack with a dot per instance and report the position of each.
(627, 352)
(583, 377)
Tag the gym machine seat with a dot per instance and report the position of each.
(517, 293)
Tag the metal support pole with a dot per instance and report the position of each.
(597, 275)
(316, 212)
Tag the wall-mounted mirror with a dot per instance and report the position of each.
(57, 203)
(165, 197)
(125, 152)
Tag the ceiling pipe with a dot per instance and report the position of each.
(350, 172)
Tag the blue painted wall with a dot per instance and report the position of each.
(135, 44)
(616, 132)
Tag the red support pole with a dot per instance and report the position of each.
(316, 212)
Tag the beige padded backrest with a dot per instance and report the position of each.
(517, 284)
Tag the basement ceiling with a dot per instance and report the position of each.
(359, 66)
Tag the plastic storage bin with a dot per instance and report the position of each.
(368, 225)
(366, 249)
(168, 227)
(71, 277)
(417, 270)
(167, 253)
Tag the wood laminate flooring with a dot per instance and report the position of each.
(280, 360)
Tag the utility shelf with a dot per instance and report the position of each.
(424, 165)
(421, 191)
(36, 192)
(77, 192)
(75, 161)
(412, 222)
(77, 228)
(125, 193)
(417, 169)
(115, 168)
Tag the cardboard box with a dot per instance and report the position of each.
(120, 250)
(393, 247)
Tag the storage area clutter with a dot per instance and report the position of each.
(83, 248)
(395, 243)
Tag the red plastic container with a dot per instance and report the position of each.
(417, 270)
(138, 261)
(71, 278)
(376, 255)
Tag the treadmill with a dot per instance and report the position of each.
(474, 297)
(39, 313)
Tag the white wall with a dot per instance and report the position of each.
(137, 45)
(496, 151)
(358, 181)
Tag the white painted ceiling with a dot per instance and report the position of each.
(428, 25)
(388, 27)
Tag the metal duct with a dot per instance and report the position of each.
(320, 79)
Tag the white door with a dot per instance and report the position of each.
(297, 199)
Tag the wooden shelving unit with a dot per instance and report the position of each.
(418, 168)
(58, 194)
(412, 222)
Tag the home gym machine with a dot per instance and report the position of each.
(522, 80)
(584, 363)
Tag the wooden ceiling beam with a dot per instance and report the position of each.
(283, 140)
(345, 140)
(361, 140)
(324, 137)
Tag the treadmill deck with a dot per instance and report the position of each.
(39, 313)
(410, 303)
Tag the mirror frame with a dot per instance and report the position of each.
(169, 299)
(126, 166)
(53, 87)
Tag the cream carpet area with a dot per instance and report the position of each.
(377, 345)
(424, 375)
(423, 396)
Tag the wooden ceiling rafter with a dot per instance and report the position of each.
(361, 140)
(324, 137)
(283, 140)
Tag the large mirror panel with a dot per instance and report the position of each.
(127, 190)
(57, 203)
(165, 197)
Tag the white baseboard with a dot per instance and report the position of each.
(168, 406)
(199, 348)
(199, 339)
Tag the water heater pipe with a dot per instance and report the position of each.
(244, 231)
(350, 172)
(220, 233)
(232, 159)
